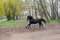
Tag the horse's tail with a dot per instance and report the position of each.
(43, 20)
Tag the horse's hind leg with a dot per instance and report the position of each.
(42, 26)
(28, 26)
(39, 25)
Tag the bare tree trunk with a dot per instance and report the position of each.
(44, 10)
(39, 9)
(35, 13)
(29, 9)
(8, 16)
(32, 10)
(35, 9)
(53, 10)
(57, 9)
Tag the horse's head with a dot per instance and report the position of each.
(29, 17)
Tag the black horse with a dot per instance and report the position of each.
(34, 21)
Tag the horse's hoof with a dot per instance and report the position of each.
(26, 27)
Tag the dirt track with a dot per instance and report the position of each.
(52, 32)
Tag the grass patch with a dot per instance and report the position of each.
(54, 21)
(13, 23)
(19, 22)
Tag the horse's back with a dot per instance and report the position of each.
(34, 21)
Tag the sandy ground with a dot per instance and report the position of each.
(52, 32)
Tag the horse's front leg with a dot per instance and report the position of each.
(28, 26)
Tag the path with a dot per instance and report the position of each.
(51, 33)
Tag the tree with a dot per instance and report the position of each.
(14, 8)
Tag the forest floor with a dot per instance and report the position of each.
(51, 32)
